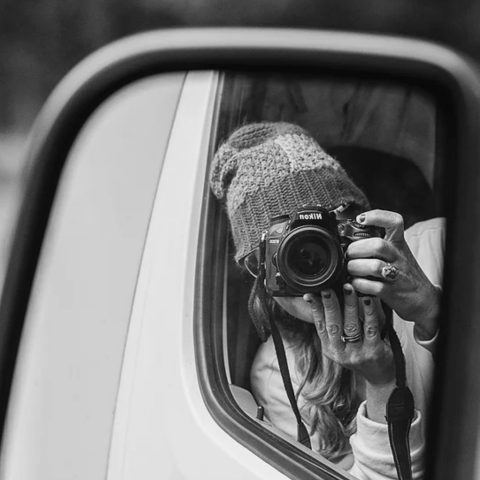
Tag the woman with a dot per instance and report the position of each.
(340, 364)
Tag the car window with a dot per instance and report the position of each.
(385, 134)
(66, 381)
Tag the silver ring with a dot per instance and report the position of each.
(389, 272)
(351, 338)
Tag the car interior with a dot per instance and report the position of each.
(386, 136)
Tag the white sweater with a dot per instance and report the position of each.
(370, 457)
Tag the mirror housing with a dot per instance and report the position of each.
(451, 445)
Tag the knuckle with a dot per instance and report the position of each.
(380, 246)
(320, 326)
(358, 284)
(380, 289)
(351, 328)
(350, 307)
(354, 360)
(333, 329)
(329, 308)
(397, 219)
(371, 331)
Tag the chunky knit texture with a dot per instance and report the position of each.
(269, 169)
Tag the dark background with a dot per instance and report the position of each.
(41, 40)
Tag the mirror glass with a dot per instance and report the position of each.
(342, 178)
(275, 133)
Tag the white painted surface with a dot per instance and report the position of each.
(65, 387)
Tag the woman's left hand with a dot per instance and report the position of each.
(386, 268)
(350, 341)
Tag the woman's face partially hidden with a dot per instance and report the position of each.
(297, 307)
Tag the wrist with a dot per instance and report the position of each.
(426, 325)
(377, 398)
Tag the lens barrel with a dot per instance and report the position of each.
(310, 259)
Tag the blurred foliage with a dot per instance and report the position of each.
(40, 40)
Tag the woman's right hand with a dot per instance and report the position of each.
(368, 355)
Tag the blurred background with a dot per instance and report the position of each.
(41, 40)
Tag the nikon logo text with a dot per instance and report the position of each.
(310, 216)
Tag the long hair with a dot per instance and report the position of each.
(327, 389)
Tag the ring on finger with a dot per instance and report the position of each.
(351, 338)
(390, 272)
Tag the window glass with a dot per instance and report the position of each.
(386, 138)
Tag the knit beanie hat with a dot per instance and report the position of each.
(268, 169)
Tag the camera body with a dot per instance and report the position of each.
(305, 251)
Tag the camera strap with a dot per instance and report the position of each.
(400, 409)
(302, 434)
(259, 289)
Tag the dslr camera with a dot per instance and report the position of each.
(305, 251)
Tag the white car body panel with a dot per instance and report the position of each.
(66, 381)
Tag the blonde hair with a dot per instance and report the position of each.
(327, 389)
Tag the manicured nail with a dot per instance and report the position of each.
(367, 301)
(347, 290)
(361, 218)
(326, 294)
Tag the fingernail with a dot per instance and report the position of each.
(367, 301)
(361, 218)
(347, 290)
(326, 294)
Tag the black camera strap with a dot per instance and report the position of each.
(259, 289)
(400, 409)
(302, 434)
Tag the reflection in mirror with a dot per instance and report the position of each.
(325, 166)
(340, 176)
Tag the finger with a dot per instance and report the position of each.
(378, 308)
(367, 267)
(380, 313)
(318, 317)
(371, 326)
(351, 322)
(372, 248)
(391, 221)
(371, 287)
(333, 318)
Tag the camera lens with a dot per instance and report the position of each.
(310, 258)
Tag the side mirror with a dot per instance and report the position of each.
(445, 84)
